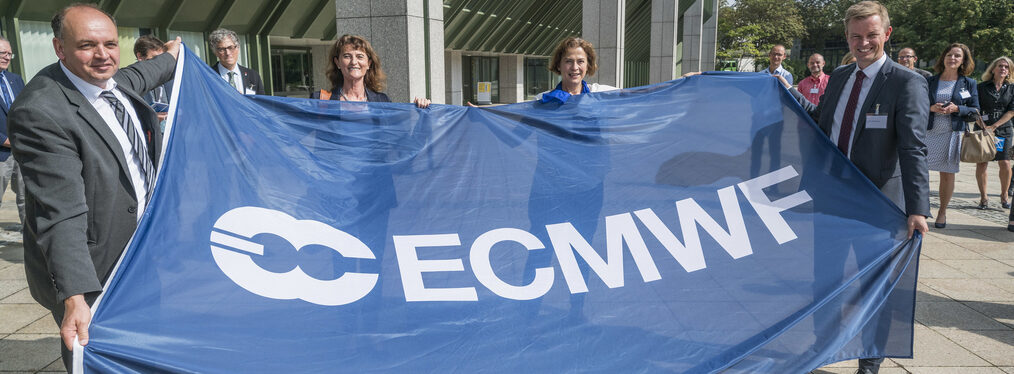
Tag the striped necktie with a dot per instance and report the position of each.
(4, 88)
(137, 144)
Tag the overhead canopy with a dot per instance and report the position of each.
(531, 27)
(288, 18)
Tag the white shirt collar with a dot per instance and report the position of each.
(90, 91)
(874, 68)
(223, 71)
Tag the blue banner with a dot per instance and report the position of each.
(698, 225)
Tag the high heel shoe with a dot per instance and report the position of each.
(983, 204)
(941, 225)
(1005, 204)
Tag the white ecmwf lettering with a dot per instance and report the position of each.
(567, 244)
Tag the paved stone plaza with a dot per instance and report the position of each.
(964, 313)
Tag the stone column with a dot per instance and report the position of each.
(452, 72)
(409, 37)
(709, 38)
(512, 78)
(692, 29)
(662, 66)
(602, 24)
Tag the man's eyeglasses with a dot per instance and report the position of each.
(7, 54)
(231, 48)
(905, 57)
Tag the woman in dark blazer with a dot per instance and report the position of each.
(954, 101)
(355, 73)
(996, 99)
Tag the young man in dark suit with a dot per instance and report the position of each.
(876, 112)
(225, 44)
(10, 86)
(88, 145)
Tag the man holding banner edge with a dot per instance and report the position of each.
(84, 197)
(883, 137)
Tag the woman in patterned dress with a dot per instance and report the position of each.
(955, 101)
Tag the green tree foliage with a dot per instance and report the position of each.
(752, 27)
(822, 20)
(986, 26)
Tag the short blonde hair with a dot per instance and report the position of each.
(574, 42)
(988, 75)
(865, 9)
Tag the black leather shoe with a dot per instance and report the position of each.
(983, 205)
(1005, 205)
(939, 225)
(1010, 228)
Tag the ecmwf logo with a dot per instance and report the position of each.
(235, 229)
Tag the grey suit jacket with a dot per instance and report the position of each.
(893, 158)
(79, 201)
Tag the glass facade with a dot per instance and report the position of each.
(475, 69)
(292, 72)
(538, 78)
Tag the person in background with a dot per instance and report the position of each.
(777, 55)
(955, 100)
(573, 60)
(996, 98)
(10, 86)
(355, 73)
(907, 58)
(146, 48)
(225, 44)
(847, 59)
(812, 87)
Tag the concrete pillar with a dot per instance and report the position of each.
(408, 35)
(692, 29)
(662, 66)
(452, 72)
(709, 38)
(602, 24)
(512, 78)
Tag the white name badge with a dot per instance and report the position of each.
(876, 121)
(964, 94)
(814, 90)
(985, 117)
(250, 92)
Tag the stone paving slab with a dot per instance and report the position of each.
(982, 269)
(936, 269)
(945, 250)
(954, 315)
(954, 370)
(997, 347)
(28, 352)
(931, 348)
(17, 316)
(969, 289)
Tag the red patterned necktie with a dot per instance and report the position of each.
(850, 113)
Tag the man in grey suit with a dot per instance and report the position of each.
(876, 112)
(88, 145)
